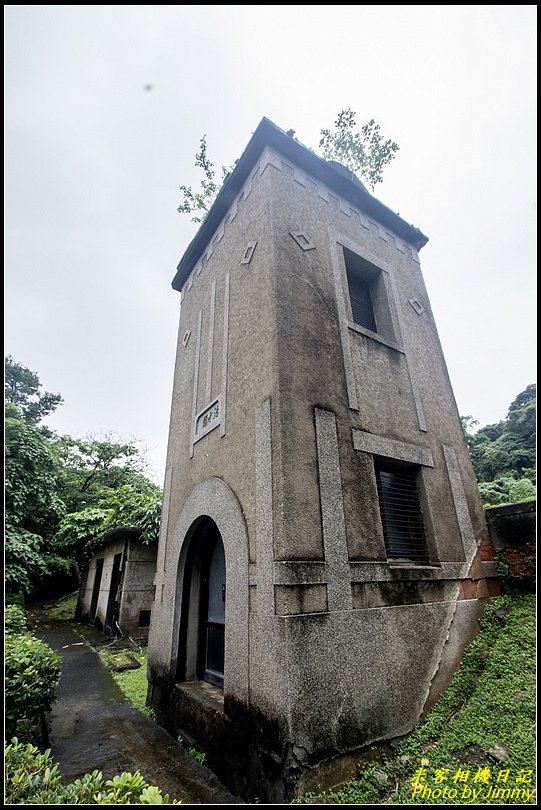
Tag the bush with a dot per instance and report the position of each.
(31, 777)
(14, 619)
(14, 599)
(506, 490)
(32, 672)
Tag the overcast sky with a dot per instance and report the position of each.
(93, 163)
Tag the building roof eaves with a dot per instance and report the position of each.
(268, 134)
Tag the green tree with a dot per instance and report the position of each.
(199, 202)
(31, 479)
(32, 504)
(123, 506)
(525, 397)
(364, 152)
(506, 490)
(103, 486)
(91, 465)
(22, 390)
(509, 446)
(503, 454)
(57, 484)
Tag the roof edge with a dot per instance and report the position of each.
(268, 134)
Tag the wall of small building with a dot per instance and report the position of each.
(512, 528)
(137, 590)
(107, 554)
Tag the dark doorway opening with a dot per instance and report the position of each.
(112, 603)
(96, 591)
(202, 627)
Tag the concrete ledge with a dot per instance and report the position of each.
(391, 448)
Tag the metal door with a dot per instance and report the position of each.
(213, 624)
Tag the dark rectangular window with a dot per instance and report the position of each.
(360, 281)
(144, 618)
(361, 303)
(400, 509)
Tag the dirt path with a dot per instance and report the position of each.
(92, 726)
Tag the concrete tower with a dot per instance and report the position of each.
(318, 569)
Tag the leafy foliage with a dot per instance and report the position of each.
(14, 619)
(128, 507)
(31, 480)
(33, 507)
(31, 777)
(199, 202)
(197, 754)
(124, 506)
(22, 390)
(61, 491)
(77, 529)
(503, 455)
(25, 562)
(192, 751)
(32, 671)
(89, 466)
(365, 153)
(506, 490)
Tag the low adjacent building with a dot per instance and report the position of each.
(117, 584)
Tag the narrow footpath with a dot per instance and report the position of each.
(93, 726)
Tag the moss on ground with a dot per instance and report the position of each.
(63, 609)
(134, 684)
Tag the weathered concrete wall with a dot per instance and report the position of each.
(107, 554)
(333, 647)
(136, 587)
(400, 392)
(225, 349)
(137, 590)
(512, 531)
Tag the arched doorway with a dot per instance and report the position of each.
(202, 625)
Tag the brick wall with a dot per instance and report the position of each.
(512, 532)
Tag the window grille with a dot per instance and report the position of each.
(401, 515)
(361, 303)
(360, 278)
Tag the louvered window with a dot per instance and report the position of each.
(361, 276)
(361, 303)
(401, 515)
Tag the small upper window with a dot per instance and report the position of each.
(400, 509)
(361, 278)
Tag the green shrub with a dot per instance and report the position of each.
(31, 777)
(32, 672)
(14, 599)
(14, 619)
(196, 754)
